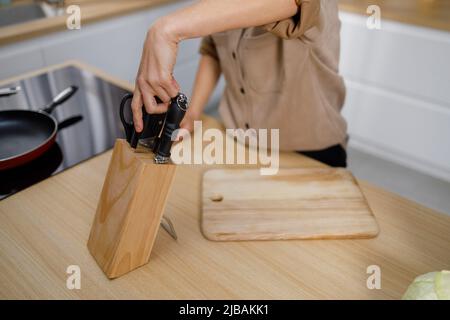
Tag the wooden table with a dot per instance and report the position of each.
(44, 229)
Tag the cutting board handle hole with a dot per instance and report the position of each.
(216, 197)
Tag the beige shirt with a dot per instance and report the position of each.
(285, 76)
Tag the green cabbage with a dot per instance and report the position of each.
(430, 286)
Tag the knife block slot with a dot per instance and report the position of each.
(129, 210)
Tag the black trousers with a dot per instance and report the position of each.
(334, 156)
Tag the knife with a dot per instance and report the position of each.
(5, 92)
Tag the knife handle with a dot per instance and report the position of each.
(175, 115)
(131, 135)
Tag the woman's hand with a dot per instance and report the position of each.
(155, 77)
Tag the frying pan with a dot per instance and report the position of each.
(27, 134)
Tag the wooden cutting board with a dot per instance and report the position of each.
(309, 203)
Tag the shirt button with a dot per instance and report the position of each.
(242, 91)
(234, 55)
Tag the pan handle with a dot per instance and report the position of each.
(62, 97)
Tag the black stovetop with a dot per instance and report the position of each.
(90, 120)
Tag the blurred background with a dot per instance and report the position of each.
(397, 72)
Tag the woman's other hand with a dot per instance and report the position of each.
(188, 123)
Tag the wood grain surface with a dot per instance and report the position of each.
(314, 203)
(44, 229)
(129, 210)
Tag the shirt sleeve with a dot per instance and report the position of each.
(307, 17)
(208, 47)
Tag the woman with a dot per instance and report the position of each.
(280, 62)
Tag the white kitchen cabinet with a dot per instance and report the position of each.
(19, 59)
(398, 97)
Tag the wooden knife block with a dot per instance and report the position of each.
(129, 211)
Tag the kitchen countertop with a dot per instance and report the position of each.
(426, 13)
(91, 11)
(44, 229)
